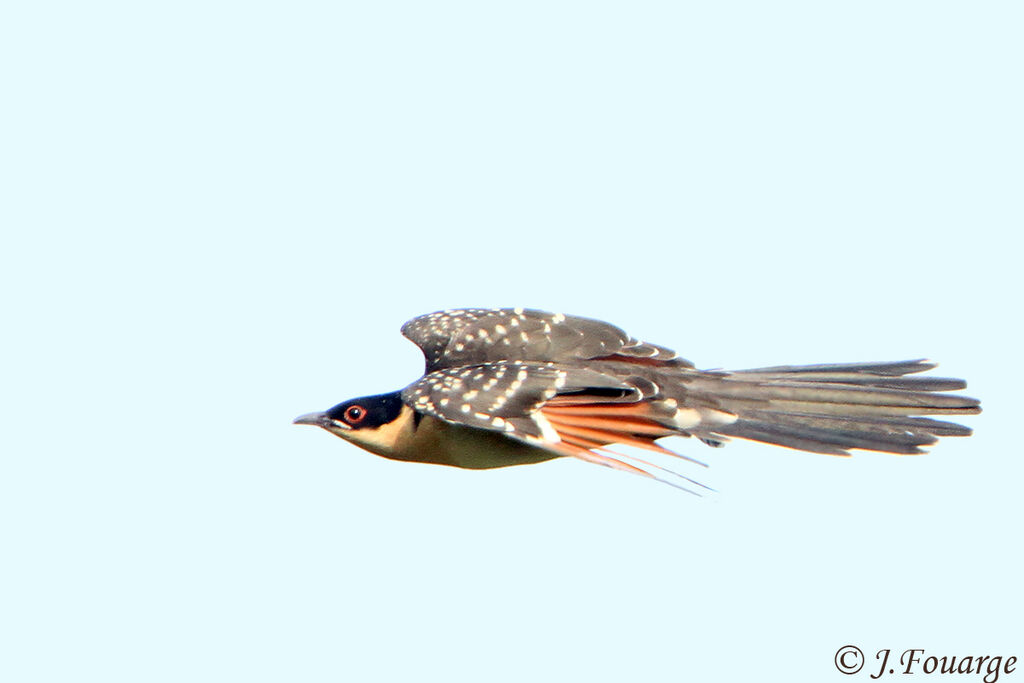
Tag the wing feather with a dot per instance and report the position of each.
(506, 395)
(471, 336)
(510, 397)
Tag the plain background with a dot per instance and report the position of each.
(216, 216)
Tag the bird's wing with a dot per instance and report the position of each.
(567, 410)
(471, 336)
(506, 396)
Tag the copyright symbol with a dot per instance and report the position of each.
(849, 659)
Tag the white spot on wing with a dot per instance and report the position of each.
(546, 430)
(685, 418)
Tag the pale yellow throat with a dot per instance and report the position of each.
(443, 443)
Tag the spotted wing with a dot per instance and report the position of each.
(570, 411)
(506, 396)
(471, 336)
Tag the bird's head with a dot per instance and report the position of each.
(370, 422)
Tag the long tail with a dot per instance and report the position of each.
(819, 408)
(829, 408)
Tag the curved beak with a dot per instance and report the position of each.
(315, 419)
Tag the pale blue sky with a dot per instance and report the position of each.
(217, 215)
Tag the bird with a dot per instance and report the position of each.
(515, 386)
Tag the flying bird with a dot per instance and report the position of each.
(514, 386)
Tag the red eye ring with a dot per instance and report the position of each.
(355, 414)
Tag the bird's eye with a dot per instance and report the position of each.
(354, 414)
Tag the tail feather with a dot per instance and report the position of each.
(838, 408)
(828, 392)
(887, 442)
(819, 408)
(833, 408)
(867, 422)
(885, 368)
(880, 382)
(795, 441)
